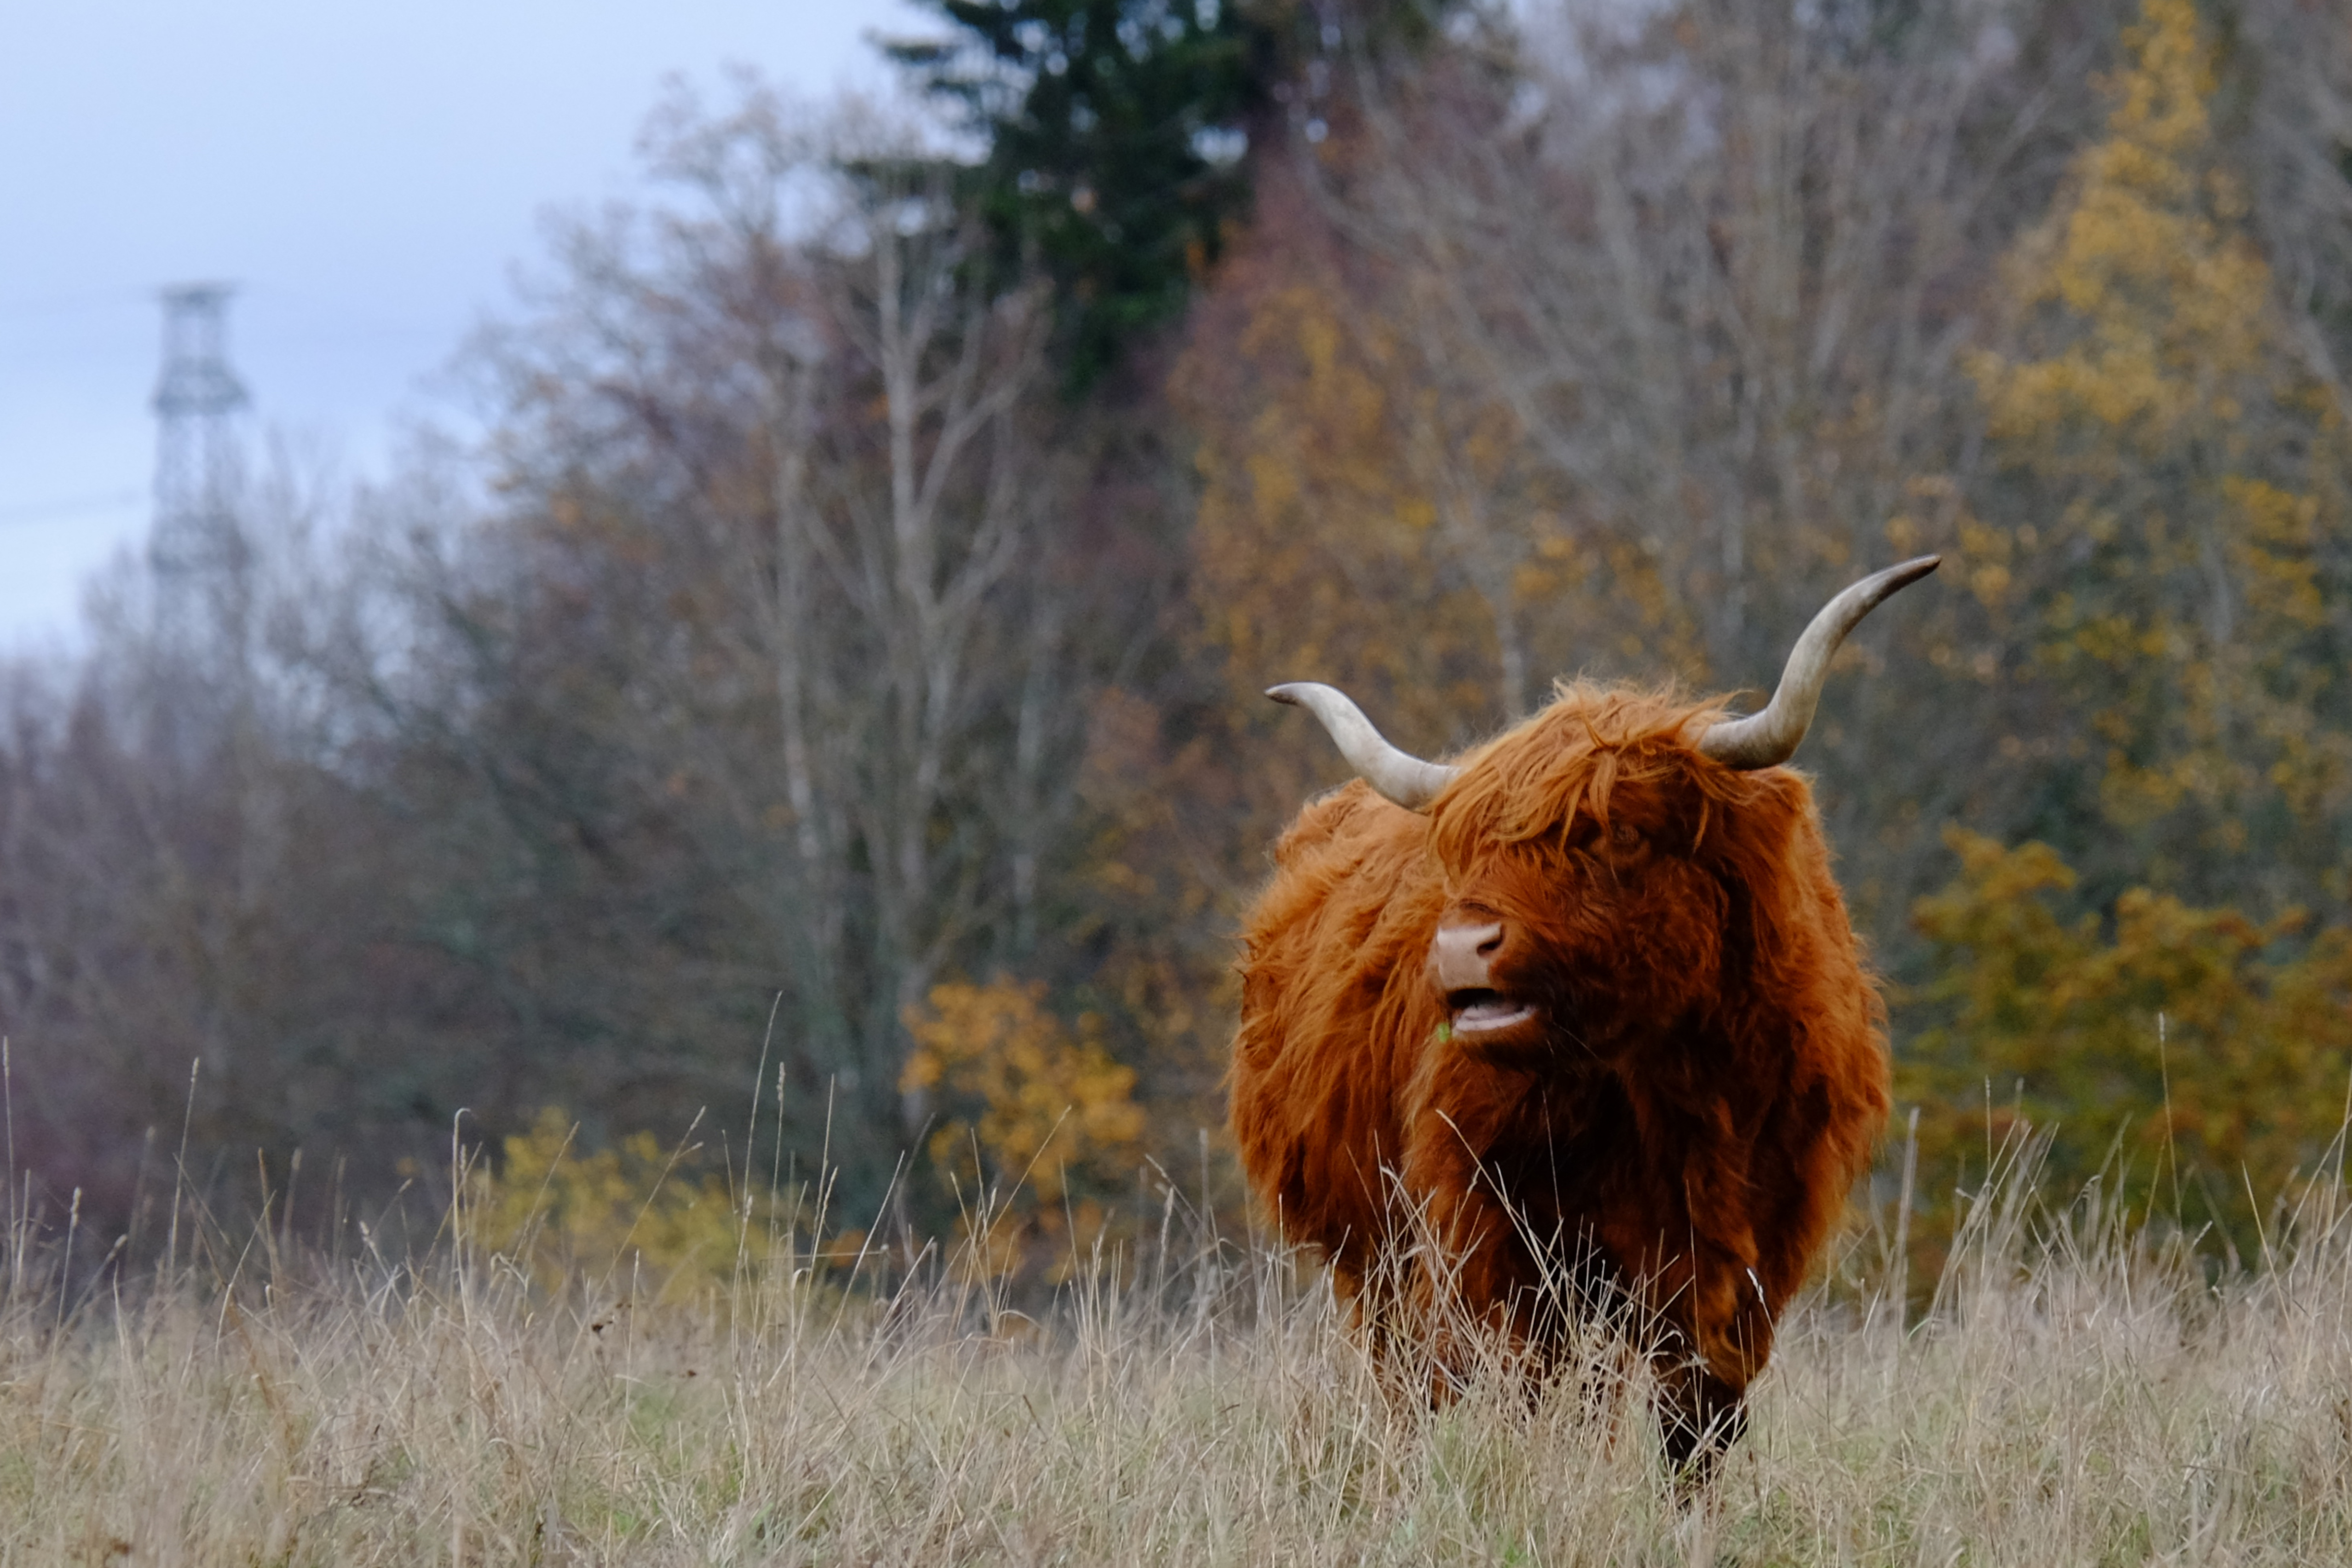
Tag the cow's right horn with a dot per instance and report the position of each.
(1397, 776)
(1771, 738)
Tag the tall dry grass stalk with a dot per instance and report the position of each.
(2076, 1393)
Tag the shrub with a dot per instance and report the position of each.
(2192, 1055)
(1038, 1126)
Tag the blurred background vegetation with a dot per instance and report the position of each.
(836, 681)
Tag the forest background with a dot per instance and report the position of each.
(836, 681)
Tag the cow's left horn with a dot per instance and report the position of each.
(1399, 775)
(1771, 738)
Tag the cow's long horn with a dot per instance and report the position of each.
(1767, 738)
(1399, 775)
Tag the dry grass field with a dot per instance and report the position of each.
(2071, 1396)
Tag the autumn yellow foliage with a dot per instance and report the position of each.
(2210, 1052)
(2167, 295)
(634, 1212)
(2153, 403)
(1316, 525)
(1037, 1126)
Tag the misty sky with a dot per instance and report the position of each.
(369, 175)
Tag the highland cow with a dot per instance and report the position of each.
(1578, 1018)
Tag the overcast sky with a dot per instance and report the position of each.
(369, 175)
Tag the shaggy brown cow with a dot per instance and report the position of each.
(1587, 1002)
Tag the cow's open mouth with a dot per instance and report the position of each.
(1484, 1012)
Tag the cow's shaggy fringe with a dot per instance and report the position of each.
(2074, 1392)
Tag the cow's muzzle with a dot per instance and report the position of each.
(1461, 965)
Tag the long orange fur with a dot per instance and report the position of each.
(1710, 1086)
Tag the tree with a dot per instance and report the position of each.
(785, 642)
(1115, 133)
(2192, 1058)
(1040, 1129)
(2179, 568)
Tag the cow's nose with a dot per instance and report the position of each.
(1459, 955)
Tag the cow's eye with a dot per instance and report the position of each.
(1625, 836)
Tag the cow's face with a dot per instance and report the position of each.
(1599, 857)
(1605, 929)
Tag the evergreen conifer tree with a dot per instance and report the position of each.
(1116, 134)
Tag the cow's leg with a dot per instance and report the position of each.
(1463, 1288)
(1705, 1329)
(1387, 1319)
(1472, 1296)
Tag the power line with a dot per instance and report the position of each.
(26, 307)
(77, 506)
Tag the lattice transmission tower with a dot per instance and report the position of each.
(195, 531)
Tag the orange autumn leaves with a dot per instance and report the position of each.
(1036, 1125)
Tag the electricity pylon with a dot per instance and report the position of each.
(196, 532)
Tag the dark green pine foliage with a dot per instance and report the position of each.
(1115, 132)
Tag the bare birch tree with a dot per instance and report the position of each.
(789, 436)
